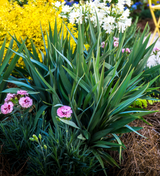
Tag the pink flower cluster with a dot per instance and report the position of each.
(64, 111)
(127, 50)
(20, 98)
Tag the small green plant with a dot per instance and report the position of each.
(60, 153)
(15, 131)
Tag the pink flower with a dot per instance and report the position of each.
(116, 43)
(155, 49)
(128, 50)
(115, 39)
(25, 102)
(7, 108)
(9, 97)
(22, 92)
(103, 44)
(64, 111)
(123, 50)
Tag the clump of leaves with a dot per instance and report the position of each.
(15, 131)
(60, 153)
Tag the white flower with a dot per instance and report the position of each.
(66, 9)
(121, 26)
(107, 27)
(128, 2)
(57, 4)
(72, 19)
(109, 17)
(128, 21)
(126, 13)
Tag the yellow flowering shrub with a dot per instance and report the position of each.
(2, 2)
(25, 21)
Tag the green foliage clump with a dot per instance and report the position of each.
(61, 153)
(14, 137)
(142, 103)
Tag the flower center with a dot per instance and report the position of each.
(64, 113)
(26, 101)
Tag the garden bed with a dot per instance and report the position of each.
(142, 23)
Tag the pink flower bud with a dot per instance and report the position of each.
(123, 50)
(155, 49)
(116, 43)
(128, 50)
(115, 39)
(9, 97)
(22, 92)
(102, 44)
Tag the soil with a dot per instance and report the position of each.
(142, 23)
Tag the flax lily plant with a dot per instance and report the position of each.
(99, 85)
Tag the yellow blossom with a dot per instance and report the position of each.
(25, 22)
(87, 46)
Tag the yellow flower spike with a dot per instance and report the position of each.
(87, 46)
(26, 22)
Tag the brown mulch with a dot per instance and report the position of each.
(141, 156)
(142, 23)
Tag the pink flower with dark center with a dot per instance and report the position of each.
(25, 102)
(7, 108)
(9, 97)
(64, 111)
(102, 44)
(116, 43)
(22, 92)
(128, 50)
(123, 50)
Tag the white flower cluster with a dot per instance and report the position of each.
(109, 18)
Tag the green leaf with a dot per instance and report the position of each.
(98, 135)
(126, 130)
(68, 122)
(38, 114)
(134, 131)
(14, 90)
(20, 84)
(97, 155)
(69, 63)
(81, 137)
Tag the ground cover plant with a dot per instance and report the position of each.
(82, 100)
